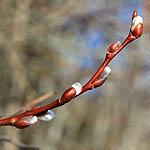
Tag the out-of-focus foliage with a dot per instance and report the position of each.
(47, 45)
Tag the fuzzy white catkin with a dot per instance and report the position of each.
(33, 120)
(30, 119)
(78, 87)
(105, 73)
(135, 21)
(49, 115)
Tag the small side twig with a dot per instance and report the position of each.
(29, 117)
(34, 102)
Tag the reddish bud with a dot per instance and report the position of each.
(68, 95)
(138, 30)
(134, 14)
(21, 124)
(113, 47)
(25, 122)
(136, 25)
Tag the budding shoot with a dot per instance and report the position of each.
(25, 122)
(113, 47)
(137, 25)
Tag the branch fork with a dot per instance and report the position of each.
(44, 113)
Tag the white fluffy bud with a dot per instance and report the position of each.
(105, 73)
(30, 119)
(78, 87)
(136, 20)
(49, 115)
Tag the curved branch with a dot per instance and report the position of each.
(29, 117)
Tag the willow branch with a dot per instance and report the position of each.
(31, 116)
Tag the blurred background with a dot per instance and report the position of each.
(47, 45)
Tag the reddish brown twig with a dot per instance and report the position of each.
(33, 103)
(29, 117)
